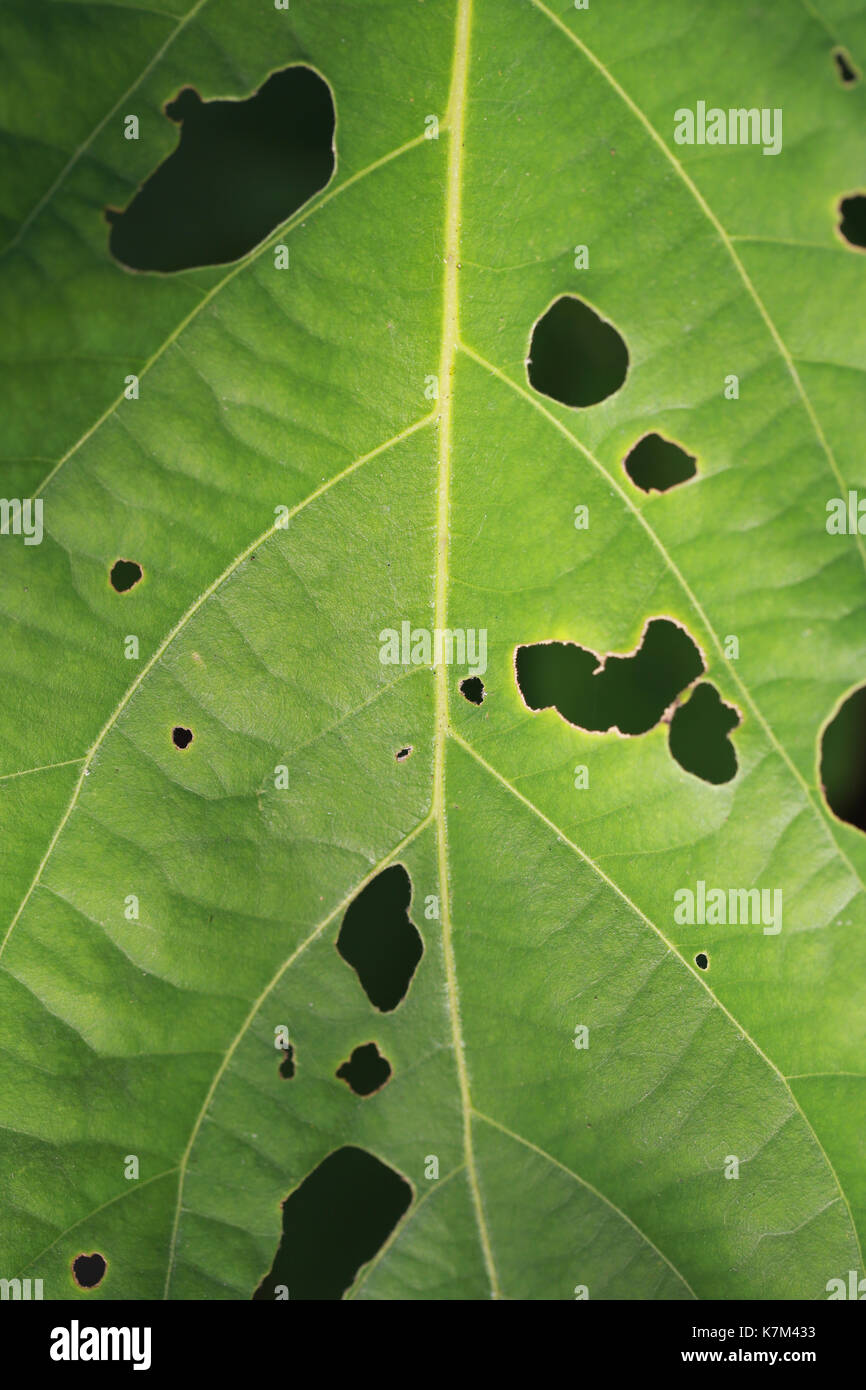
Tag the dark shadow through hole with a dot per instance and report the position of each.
(89, 1270)
(181, 737)
(575, 356)
(852, 219)
(240, 169)
(472, 687)
(366, 1070)
(402, 753)
(702, 960)
(843, 760)
(287, 1065)
(658, 464)
(848, 74)
(629, 693)
(333, 1223)
(378, 939)
(698, 737)
(124, 575)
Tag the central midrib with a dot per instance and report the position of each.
(447, 362)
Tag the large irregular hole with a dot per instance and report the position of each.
(240, 169)
(575, 356)
(89, 1270)
(657, 464)
(843, 760)
(698, 737)
(848, 74)
(366, 1071)
(124, 575)
(333, 1223)
(379, 940)
(852, 215)
(628, 693)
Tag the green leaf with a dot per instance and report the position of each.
(309, 389)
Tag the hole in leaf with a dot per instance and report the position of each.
(575, 356)
(366, 1070)
(402, 754)
(125, 574)
(287, 1065)
(702, 960)
(181, 737)
(843, 760)
(845, 67)
(698, 737)
(658, 464)
(473, 688)
(628, 693)
(378, 939)
(852, 223)
(333, 1223)
(89, 1270)
(240, 169)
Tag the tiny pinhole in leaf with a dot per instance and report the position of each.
(848, 74)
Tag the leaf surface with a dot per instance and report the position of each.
(304, 389)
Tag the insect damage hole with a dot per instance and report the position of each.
(366, 1071)
(334, 1222)
(658, 464)
(181, 737)
(852, 219)
(702, 960)
(629, 693)
(848, 74)
(380, 941)
(125, 574)
(88, 1271)
(287, 1065)
(698, 737)
(239, 170)
(403, 753)
(575, 356)
(843, 760)
(472, 688)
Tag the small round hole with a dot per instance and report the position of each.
(852, 219)
(125, 574)
(702, 960)
(89, 1270)
(181, 737)
(473, 689)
